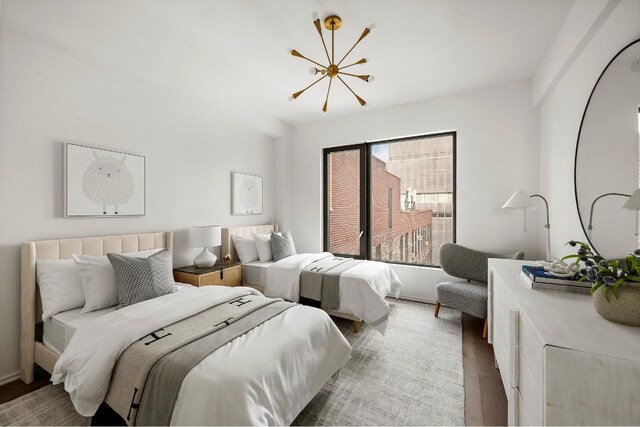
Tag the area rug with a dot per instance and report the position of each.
(410, 376)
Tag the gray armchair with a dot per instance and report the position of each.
(471, 296)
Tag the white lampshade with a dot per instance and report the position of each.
(205, 236)
(519, 199)
(633, 202)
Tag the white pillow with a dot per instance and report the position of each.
(263, 244)
(60, 286)
(99, 279)
(246, 249)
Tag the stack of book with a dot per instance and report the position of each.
(538, 278)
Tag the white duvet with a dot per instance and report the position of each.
(362, 292)
(263, 377)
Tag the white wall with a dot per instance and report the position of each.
(49, 94)
(497, 147)
(561, 112)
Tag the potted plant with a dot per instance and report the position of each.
(615, 284)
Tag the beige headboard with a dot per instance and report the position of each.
(31, 305)
(244, 231)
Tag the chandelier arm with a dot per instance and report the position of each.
(319, 28)
(360, 100)
(361, 77)
(355, 63)
(326, 100)
(333, 45)
(299, 55)
(297, 94)
(362, 36)
(314, 62)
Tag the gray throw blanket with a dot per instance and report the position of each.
(148, 375)
(320, 280)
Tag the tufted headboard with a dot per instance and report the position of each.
(31, 304)
(244, 231)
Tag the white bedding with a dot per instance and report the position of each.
(254, 273)
(234, 385)
(58, 329)
(362, 292)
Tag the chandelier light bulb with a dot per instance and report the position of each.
(372, 27)
(291, 98)
(371, 78)
(313, 71)
(366, 60)
(314, 16)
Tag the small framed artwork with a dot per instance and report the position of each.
(246, 194)
(103, 182)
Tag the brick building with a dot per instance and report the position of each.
(397, 235)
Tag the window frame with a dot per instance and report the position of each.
(366, 190)
(327, 204)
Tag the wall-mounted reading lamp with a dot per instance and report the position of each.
(522, 200)
(632, 204)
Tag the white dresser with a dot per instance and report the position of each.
(560, 362)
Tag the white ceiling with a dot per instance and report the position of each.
(233, 54)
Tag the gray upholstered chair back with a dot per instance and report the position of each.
(465, 263)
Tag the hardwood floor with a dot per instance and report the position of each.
(17, 388)
(485, 401)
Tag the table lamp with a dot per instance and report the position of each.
(205, 237)
(522, 200)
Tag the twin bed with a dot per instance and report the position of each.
(362, 287)
(264, 374)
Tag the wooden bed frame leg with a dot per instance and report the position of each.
(436, 310)
(486, 328)
(356, 326)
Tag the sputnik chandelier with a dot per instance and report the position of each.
(333, 70)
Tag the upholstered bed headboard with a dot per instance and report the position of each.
(31, 305)
(244, 231)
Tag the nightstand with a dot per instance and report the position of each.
(221, 274)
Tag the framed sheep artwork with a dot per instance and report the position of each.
(102, 182)
(246, 194)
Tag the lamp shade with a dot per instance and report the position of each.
(519, 199)
(633, 202)
(205, 236)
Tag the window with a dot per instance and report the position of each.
(391, 200)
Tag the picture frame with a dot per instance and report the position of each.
(246, 194)
(101, 182)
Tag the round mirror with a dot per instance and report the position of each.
(607, 163)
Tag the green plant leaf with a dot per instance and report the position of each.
(615, 287)
(633, 278)
(596, 286)
(571, 256)
(605, 293)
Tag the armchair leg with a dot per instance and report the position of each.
(486, 328)
(436, 310)
(356, 326)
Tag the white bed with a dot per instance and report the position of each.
(58, 329)
(362, 292)
(228, 387)
(254, 274)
